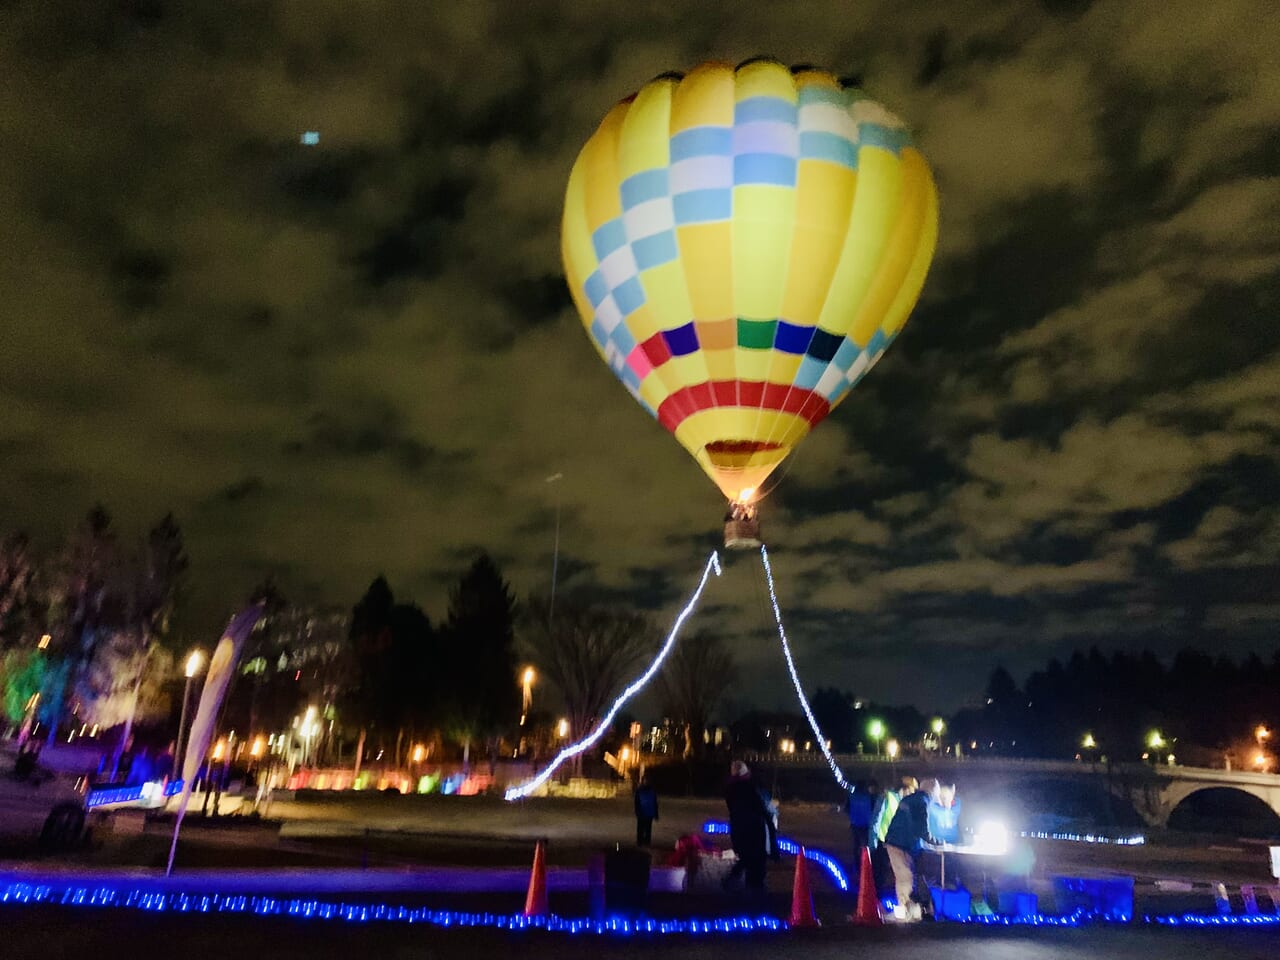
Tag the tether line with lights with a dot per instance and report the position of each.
(795, 677)
(526, 788)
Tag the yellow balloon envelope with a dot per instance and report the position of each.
(743, 245)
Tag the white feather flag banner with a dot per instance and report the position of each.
(222, 668)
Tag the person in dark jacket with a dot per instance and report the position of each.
(751, 828)
(908, 832)
(861, 805)
(646, 799)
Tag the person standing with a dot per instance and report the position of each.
(646, 802)
(861, 806)
(751, 828)
(907, 834)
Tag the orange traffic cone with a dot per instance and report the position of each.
(535, 903)
(868, 912)
(801, 896)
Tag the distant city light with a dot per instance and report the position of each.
(193, 663)
(1089, 743)
(875, 729)
(311, 138)
(892, 748)
(1155, 740)
(938, 725)
(562, 728)
(44, 643)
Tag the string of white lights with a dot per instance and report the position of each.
(526, 788)
(795, 677)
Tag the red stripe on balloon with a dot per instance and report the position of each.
(751, 394)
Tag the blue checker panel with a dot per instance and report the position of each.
(629, 296)
(703, 206)
(824, 345)
(655, 250)
(596, 288)
(770, 168)
(790, 338)
(609, 238)
(644, 186)
(682, 340)
(702, 142)
(831, 147)
(810, 373)
(773, 109)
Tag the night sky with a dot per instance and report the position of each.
(358, 357)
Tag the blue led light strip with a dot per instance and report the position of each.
(526, 788)
(110, 795)
(795, 677)
(790, 847)
(154, 901)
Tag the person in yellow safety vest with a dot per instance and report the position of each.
(885, 808)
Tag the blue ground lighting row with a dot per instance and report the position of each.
(153, 901)
(158, 901)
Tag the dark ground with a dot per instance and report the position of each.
(42, 933)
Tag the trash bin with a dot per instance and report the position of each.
(626, 880)
(1275, 862)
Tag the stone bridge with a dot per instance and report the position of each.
(1153, 791)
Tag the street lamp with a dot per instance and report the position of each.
(562, 728)
(1155, 740)
(875, 730)
(526, 682)
(938, 726)
(1261, 734)
(194, 662)
(1089, 743)
(892, 747)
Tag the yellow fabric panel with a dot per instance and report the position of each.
(689, 370)
(645, 143)
(897, 314)
(720, 364)
(706, 250)
(900, 251)
(815, 78)
(599, 162)
(653, 390)
(644, 322)
(824, 198)
(717, 334)
(667, 295)
(762, 222)
(703, 98)
(575, 243)
(765, 78)
(783, 367)
(752, 364)
(874, 206)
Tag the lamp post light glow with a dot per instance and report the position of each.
(875, 730)
(1261, 734)
(892, 748)
(938, 726)
(1155, 740)
(194, 662)
(562, 728)
(1089, 743)
(526, 684)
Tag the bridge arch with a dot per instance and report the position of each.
(1242, 808)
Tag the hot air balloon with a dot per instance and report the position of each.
(743, 244)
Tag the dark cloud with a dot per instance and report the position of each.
(359, 357)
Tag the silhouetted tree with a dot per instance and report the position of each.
(696, 674)
(478, 680)
(589, 652)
